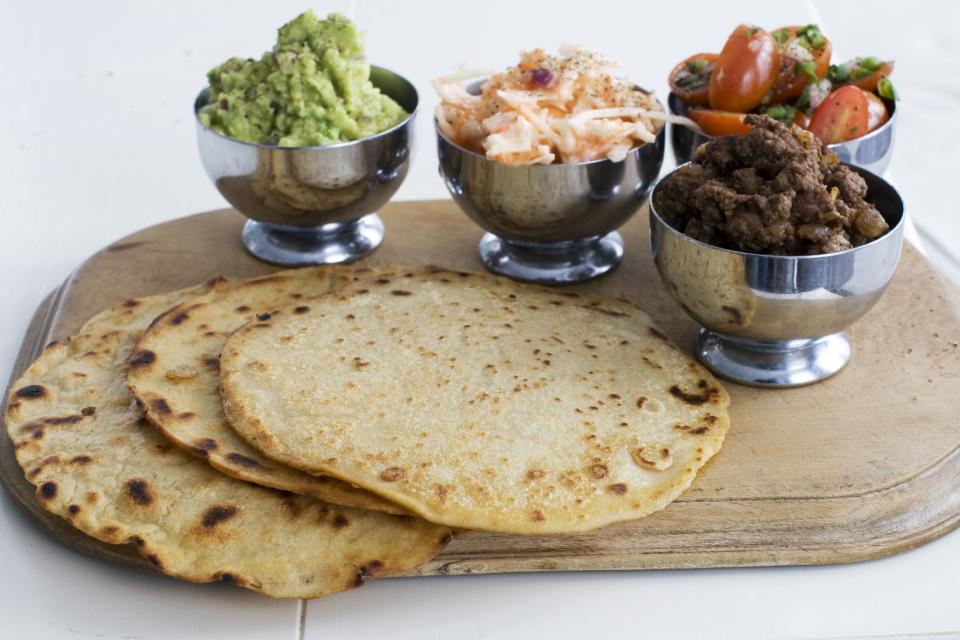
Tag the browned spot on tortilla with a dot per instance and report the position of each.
(155, 560)
(31, 391)
(213, 362)
(656, 333)
(73, 509)
(81, 459)
(204, 444)
(60, 420)
(301, 309)
(179, 318)
(242, 308)
(48, 490)
(441, 492)
(340, 521)
(141, 358)
(130, 303)
(139, 491)
(217, 514)
(598, 471)
(640, 401)
(696, 431)
(695, 398)
(243, 460)
(160, 405)
(400, 292)
(535, 474)
(392, 474)
(617, 489)
(372, 569)
(88, 411)
(537, 516)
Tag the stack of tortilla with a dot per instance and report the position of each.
(299, 433)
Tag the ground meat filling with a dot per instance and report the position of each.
(773, 190)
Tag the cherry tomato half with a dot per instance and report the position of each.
(690, 80)
(794, 73)
(843, 115)
(877, 113)
(745, 71)
(718, 123)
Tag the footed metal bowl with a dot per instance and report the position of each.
(313, 205)
(778, 321)
(551, 224)
(871, 152)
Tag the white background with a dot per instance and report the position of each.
(97, 141)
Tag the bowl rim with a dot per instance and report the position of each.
(891, 105)
(199, 103)
(893, 231)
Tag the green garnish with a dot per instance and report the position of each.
(808, 68)
(781, 35)
(812, 34)
(697, 66)
(885, 89)
(804, 44)
(871, 63)
(838, 74)
(782, 112)
(752, 31)
(803, 102)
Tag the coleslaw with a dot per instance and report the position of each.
(568, 108)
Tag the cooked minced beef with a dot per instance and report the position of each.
(772, 190)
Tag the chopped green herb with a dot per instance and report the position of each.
(804, 44)
(691, 82)
(697, 66)
(838, 74)
(782, 112)
(781, 35)
(803, 102)
(871, 64)
(752, 31)
(809, 69)
(812, 34)
(885, 89)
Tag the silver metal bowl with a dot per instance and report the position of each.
(551, 224)
(313, 205)
(778, 321)
(871, 152)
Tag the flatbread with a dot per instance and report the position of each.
(95, 461)
(178, 379)
(478, 402)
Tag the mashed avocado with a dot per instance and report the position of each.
(312, 89)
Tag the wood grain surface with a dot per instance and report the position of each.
(863, 465)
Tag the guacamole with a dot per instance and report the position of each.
(312, 89)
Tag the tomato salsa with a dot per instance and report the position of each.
(785, 74)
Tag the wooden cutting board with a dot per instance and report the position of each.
(863, 465)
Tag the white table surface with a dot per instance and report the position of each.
(97, 141)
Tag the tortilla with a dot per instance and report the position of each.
(98, 463)
(179, 387)
(478, 402)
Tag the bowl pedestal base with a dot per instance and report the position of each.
(298, 246)
(566, 262)
(773, 363)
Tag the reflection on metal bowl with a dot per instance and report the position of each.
(778, 321)
(871, 152)
(552, 224)
(313, 205)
